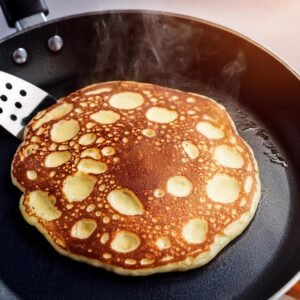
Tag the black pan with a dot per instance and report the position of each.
(261, 93)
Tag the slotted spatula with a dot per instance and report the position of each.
(19, 102)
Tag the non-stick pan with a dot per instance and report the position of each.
(261, 93)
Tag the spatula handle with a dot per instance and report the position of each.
(15, 10)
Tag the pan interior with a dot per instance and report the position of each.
(178, 53)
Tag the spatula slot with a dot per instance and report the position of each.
(13, 117)
(3, 98)
(18, 105)
(8, 86)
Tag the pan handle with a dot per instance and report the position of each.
(24, 13)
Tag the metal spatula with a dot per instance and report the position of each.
(19, 102)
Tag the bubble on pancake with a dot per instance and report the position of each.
(79, 186)
(36, 139)
(31, 174)
(125, 202)
(190, 100)
(210, 131)
(179, 186)
(100, 140)
(228, 156)
(159, 193)
(163, 243)
(223, 188)
(243, 202)
(248, 184)
(30, 149)
(126, 100)
(54, 114)
(125, 241)
(87, 139)
(106, 220)
(105, 117)
(167, 258)
(83, 228)
(90, 207)
(52, 147)
(106, 255)
(64, 130)
(63, 147)
(90, 125)
(104, 238)
(130, 261)
(146, 261)
(102, 187)
(57, 158)
(108, 151)
(148, 132)
(43, 205)
(161, 115)
(116, 217)
(52, 173)
(97, 91)
(91, 152)
(190, 149)
(195, 231)
(89, 165)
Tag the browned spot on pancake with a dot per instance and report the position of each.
(135, 176)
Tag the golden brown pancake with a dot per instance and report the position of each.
(136, 178)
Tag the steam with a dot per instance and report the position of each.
(159, 54)
(176, 53)
(232, 73)
(162, 50)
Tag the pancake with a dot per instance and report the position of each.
(136, 178)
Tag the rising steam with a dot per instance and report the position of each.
(164, 50)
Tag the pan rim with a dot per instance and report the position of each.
(166, 13)
(286, 287)
(266, 50)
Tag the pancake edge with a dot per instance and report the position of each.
(187, 264)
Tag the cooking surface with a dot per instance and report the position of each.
(264, 257)
(274, 24)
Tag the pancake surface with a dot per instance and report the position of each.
(136, 178)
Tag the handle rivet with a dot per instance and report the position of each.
(55, 43)
(20, 56)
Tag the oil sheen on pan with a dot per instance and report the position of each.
(136, 178)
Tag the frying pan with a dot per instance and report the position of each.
(261, 93)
